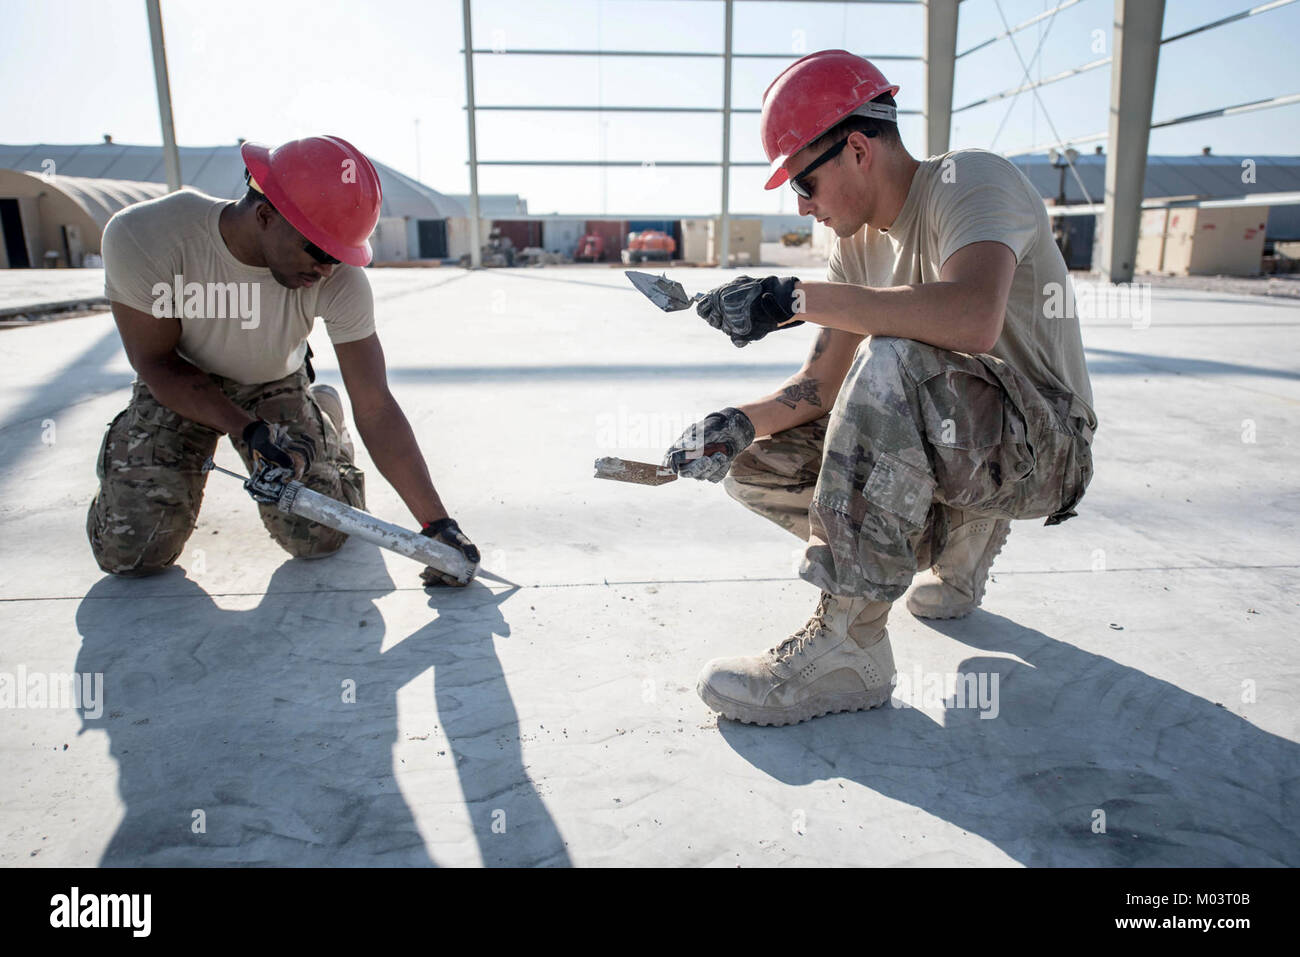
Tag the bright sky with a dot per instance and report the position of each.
(272, 71)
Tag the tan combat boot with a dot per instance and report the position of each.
(327, 397)
(954, 587)
(839, 661)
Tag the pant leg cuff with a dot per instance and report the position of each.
(857, 587)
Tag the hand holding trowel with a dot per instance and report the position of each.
(746, 309)
(704, 451)
(670, 297)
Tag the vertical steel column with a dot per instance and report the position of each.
(940, 66)
(171, 155)
(476, 241)
(1134, 59)
(724, 221)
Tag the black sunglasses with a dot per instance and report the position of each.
(797, 182)
(320, 255)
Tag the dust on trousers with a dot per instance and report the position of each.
(919, 441)
(151, 476)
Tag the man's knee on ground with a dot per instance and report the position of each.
(122, 556)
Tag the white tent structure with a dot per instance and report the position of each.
(415, 220)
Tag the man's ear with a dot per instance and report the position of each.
(264, 214)
(863, 149)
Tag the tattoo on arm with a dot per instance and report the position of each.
(804, 390)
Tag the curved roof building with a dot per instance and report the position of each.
(48, 188)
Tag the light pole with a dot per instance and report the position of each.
(1062, 161)
(1060, 233)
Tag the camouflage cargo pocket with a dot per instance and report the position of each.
(977, 437)
(115, 427)
(1038, 452)
(165, 438)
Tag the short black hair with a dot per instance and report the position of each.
(886, 130)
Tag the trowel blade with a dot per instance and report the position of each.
(665, 293)
(638, 473)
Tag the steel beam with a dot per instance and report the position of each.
(940, 64)
(682, 54)
(1136, 56)
(476, 241)
(171, 155)
(724, 220)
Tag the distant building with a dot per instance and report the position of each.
(1203, 176)
(57, 220)
(1169, 179)
(45, 189)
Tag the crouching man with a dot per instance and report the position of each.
(214, 301)
(941, 399)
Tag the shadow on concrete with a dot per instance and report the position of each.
(1182, 781)
(83, 376)
(482, 726)
(241, 714)
(1117, 362)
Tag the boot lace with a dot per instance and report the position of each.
(807, 634)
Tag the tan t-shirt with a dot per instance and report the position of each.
(236, 320)
(971, 196)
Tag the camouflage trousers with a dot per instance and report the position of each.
(919, 441)
(151, 479)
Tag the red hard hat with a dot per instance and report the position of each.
(810, 96)
(325, 187)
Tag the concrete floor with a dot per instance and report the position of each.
(32, 287)
(1145, 651)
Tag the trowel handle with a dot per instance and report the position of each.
(711, 449)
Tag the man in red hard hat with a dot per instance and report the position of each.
(946, 394)
(214, 301)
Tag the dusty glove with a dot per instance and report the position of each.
(747, 309)
(446, 530)
(707, 449)
(276, 454)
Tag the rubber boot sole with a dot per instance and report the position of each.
(806, 711)
(935, 616)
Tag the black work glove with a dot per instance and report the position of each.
(707, 449)
(275, 453)
(446, 530)
(747, 309)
